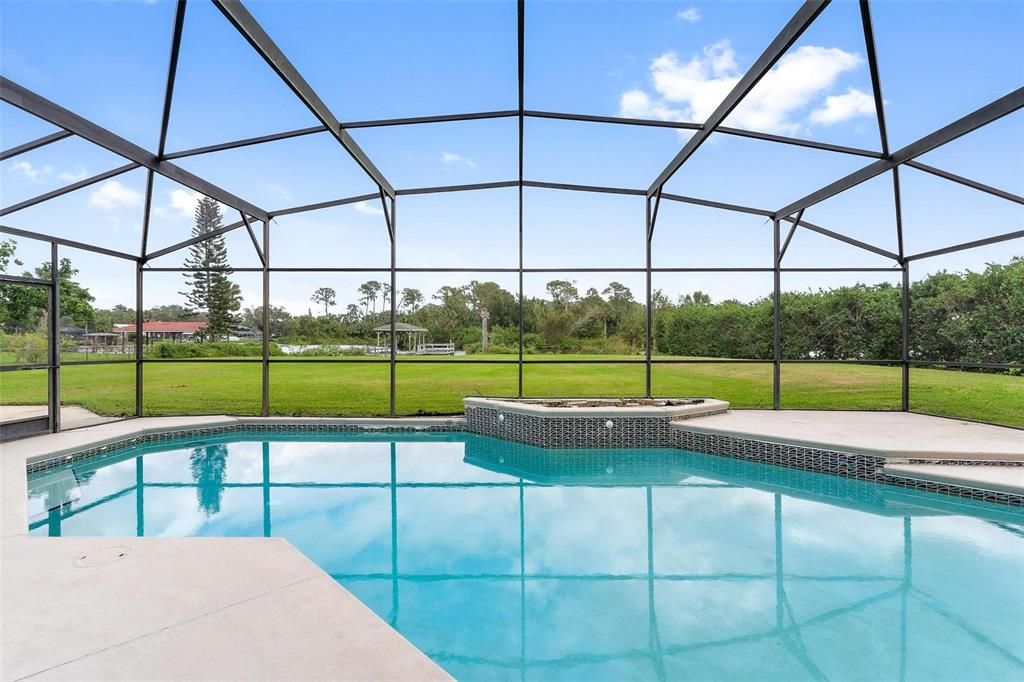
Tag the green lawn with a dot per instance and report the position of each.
(361, 388)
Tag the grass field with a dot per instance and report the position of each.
(425, 387)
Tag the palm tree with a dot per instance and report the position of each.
(411, 299)
(369, 292)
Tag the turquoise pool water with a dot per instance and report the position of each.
(503, 561)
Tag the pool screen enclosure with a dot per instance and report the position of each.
(253, 221)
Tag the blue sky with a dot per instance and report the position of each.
(669, 60)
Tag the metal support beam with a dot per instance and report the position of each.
(843, 238)
(528, 113)
(147, 208)
(193, 240)
(876, 82)
(393, 351)
(255, 242)
(789, 237)
(789, 34)
(351, 125)
(521, 74)
(387, 215)
(883, 133)
(725, 130)
(966, 182)
(251, 30)
(26, 100)
(53, 331)
(139, 321)
(457, 188)
(420, 120)
(66, 189)
(717, 204)
(898, 211)
(172, 74)
(651, 220)
(29, 234)
(34, 144)
(245, 142)
(776, 319)
(1019, 234)
(905, 339)
(165, 116)
(324, 204)
(265, 374)
(651, 216)
(583, 188)
(976, 119)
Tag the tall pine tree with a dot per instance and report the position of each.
(211, 293)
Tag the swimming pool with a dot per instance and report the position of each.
(504, 561)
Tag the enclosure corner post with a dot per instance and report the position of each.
(53, 332)
(649, 319)
(521, 66)
(393, 353)
(905, 338)
(138, 339)
(776, 320)
(265, 381)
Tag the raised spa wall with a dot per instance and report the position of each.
(652, 426)
(595, 425)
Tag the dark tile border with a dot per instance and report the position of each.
(572, 432)
(658, 432)
(596, 432)
(862, 467)
(199, 432)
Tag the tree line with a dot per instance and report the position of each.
(967, 317)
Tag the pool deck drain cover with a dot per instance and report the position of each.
(102, 557)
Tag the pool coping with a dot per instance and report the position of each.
(707, 406)
(906, 454)
(351, 642)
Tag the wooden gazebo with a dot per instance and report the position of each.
(415, 337)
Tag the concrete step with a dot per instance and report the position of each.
(1002, 479)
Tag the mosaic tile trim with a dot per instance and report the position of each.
(569, 432)
(695, 415)
(156, 437)
(846, 464)
(966, 462)
(654, 432)
(594, 432)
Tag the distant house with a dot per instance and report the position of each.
(162, 331)
(75, 333)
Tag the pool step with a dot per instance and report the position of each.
(1001, 479)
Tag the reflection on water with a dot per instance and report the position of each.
(208, 464)
(503, 561)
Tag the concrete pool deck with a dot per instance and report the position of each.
(71, 416)
(178, 608)
(905, 439)
(903, 435)
(188, 608)
(256, 608)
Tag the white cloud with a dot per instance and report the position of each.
(183, 202)
(691, 90)
(72, 177)
(29, 171)
(449, 158)
(112, 194)
(838, 108)
(368, 209)
(691, 15)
